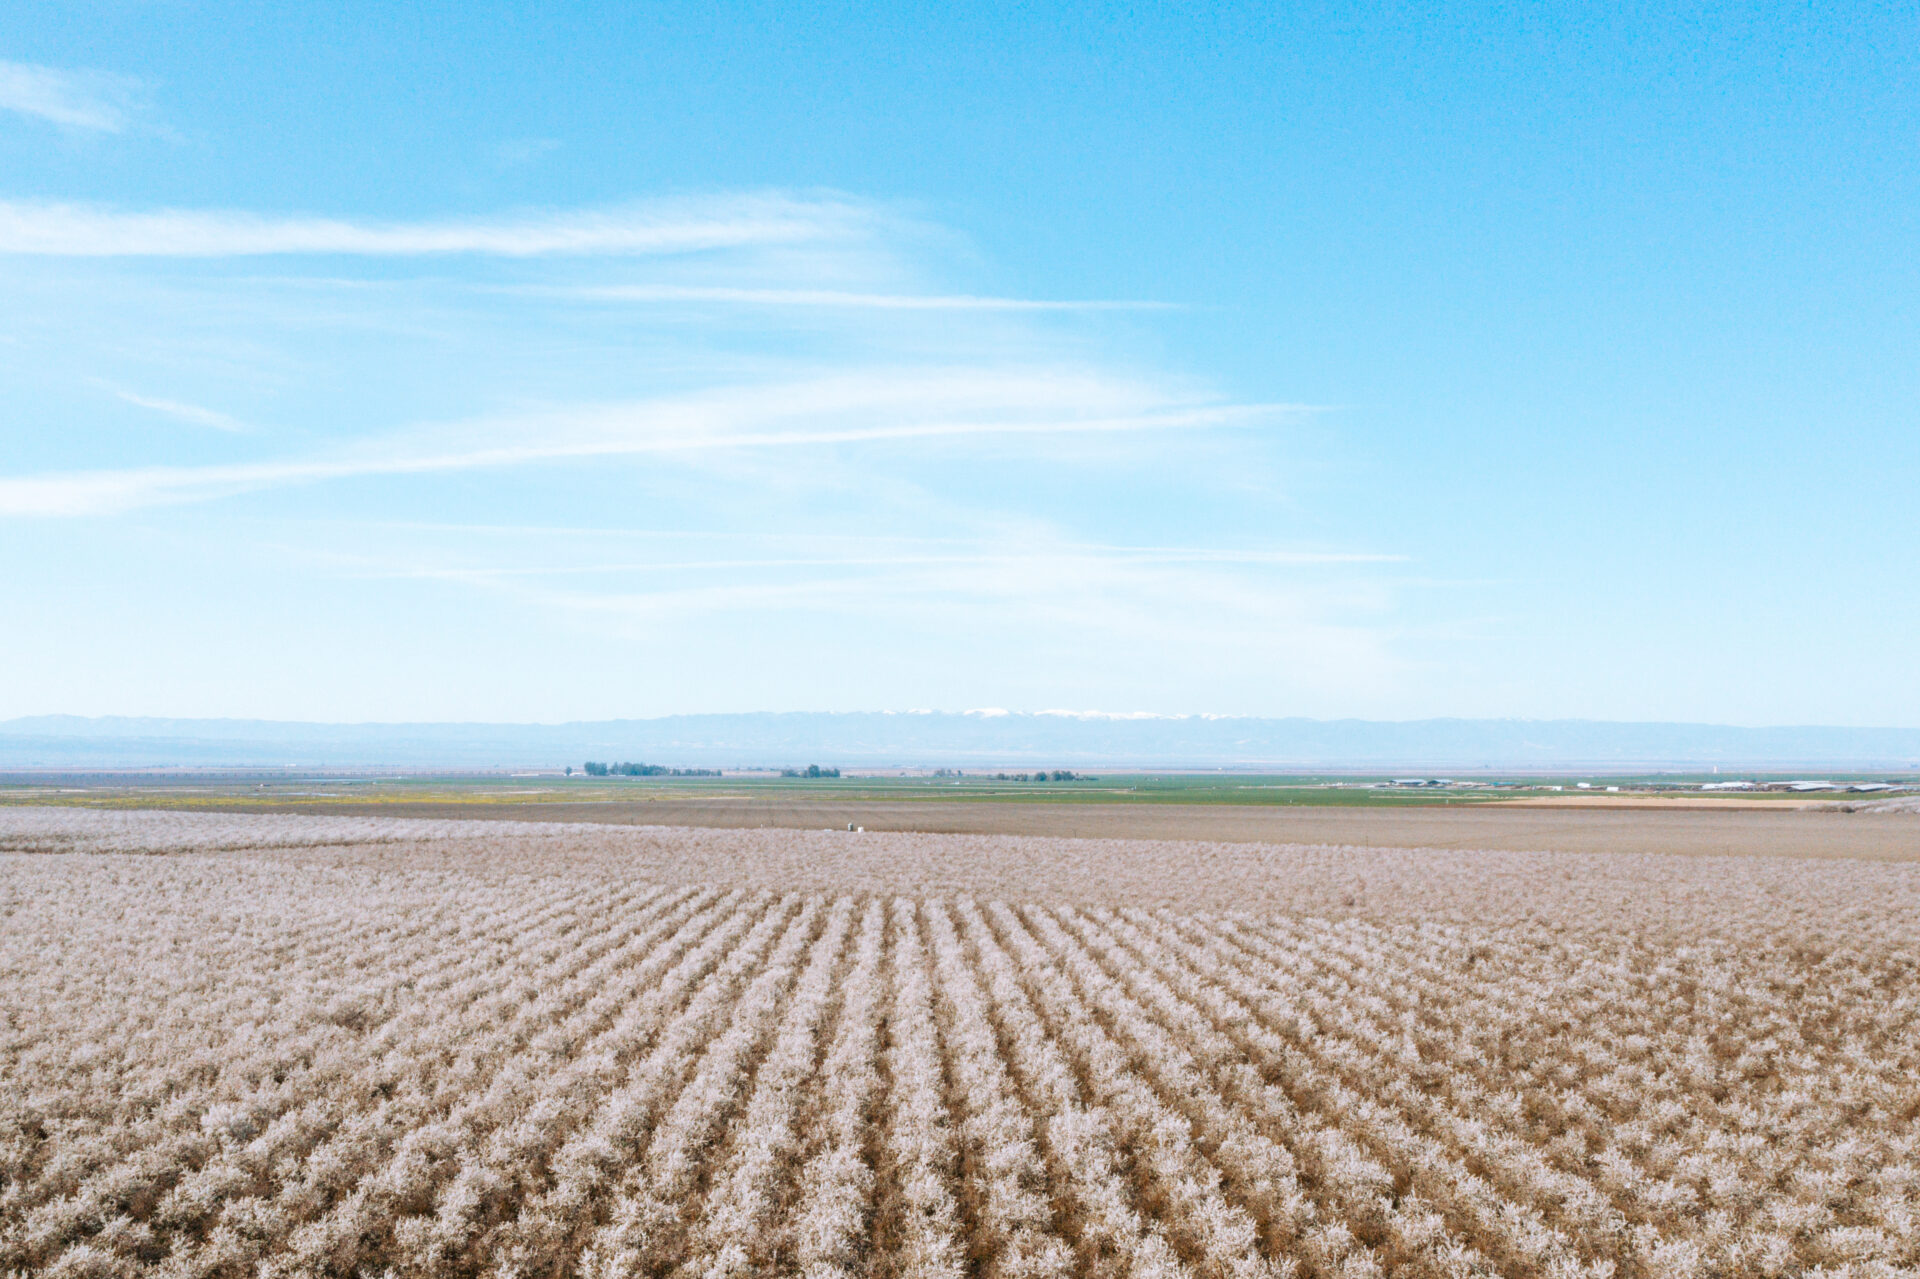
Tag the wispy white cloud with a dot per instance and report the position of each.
(889, 406)
(1050, 598)
(192, 413)
(84, 230)
(840, 298)
(873, 487)
(695, 573)
(92, 100)
(999, 559)
(880, 547)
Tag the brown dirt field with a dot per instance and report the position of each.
(1767, 832)
(1660, 801)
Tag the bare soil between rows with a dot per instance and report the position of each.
(1745, 831)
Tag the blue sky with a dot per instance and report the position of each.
(471, 362)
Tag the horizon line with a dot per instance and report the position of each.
(976, 713)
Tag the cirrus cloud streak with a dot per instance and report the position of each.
(889, 406)
(842, 298)
(96, 101)
(49, 229)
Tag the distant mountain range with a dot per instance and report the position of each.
(933, 739)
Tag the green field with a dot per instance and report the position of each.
(325, 789)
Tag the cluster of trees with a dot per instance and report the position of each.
(596, 769)
(811, 770)
(1057, 775)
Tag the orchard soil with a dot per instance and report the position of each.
(1778, 830)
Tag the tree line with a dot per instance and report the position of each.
(596, 769)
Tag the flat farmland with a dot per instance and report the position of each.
(1775, 827)
(236, 1044)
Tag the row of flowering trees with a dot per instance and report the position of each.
(311, 1060)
